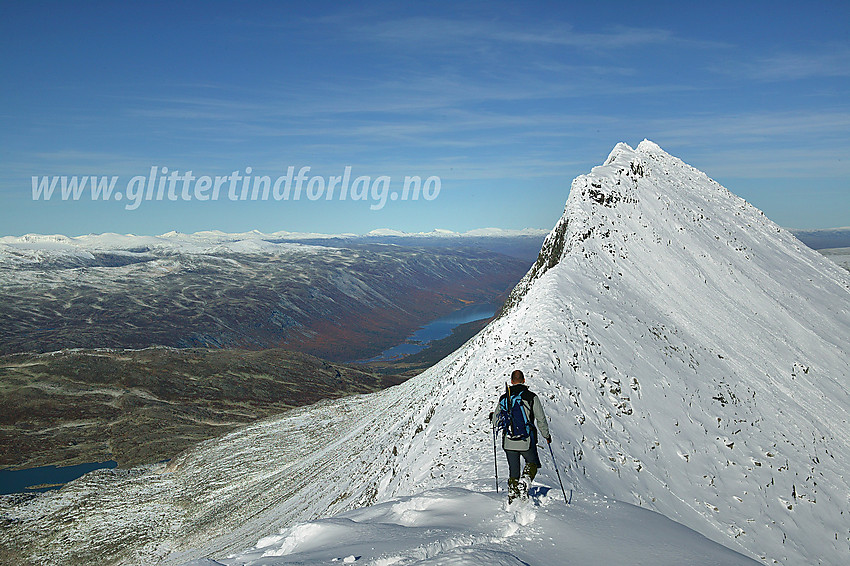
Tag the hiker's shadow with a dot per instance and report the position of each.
(539, 491)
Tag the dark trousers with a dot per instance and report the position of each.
(529, 455)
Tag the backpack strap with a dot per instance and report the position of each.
(529, 397)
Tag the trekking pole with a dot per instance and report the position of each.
(495, 460)
(554, 463)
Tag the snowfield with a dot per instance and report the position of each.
(454, 526)
(692, 357)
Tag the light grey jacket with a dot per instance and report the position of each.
(536, 413)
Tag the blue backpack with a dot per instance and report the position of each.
(513, 418)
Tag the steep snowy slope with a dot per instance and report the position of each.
(691, 355)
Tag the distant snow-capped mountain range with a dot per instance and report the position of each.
(31, 249)
(692, 357)
(198, 242)
(523, 243)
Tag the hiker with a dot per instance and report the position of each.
(522, 444)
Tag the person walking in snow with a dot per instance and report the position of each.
(518, 444)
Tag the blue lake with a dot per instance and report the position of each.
(435, 330)
(18, 481)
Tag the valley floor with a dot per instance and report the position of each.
(143, 406)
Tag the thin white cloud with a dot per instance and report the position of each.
(765, 162)
(447, 34)
(794, 66)
(777, 127)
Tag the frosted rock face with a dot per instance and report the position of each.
(691, 355)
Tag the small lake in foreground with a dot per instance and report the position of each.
(435, 330)
(46, 477)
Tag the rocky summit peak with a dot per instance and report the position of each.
(644, 195)
(647, 146)
(619, 150)
(605, 187)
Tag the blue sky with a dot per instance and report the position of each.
(505, 103)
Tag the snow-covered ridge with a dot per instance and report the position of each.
(690, 353)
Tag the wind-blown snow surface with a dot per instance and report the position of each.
(454, 526)
(691, 355)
